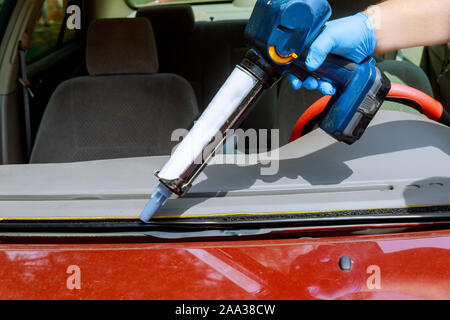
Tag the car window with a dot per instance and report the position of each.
(50, 32)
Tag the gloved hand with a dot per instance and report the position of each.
(351, 37)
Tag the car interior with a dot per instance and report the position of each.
(92, 95)
(135, 71)
(97, 90)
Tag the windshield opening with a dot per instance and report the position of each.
(103, 126)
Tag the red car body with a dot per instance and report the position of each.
(412, 265)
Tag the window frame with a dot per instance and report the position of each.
(5, 15)
(62, 31)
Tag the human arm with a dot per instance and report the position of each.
(403, 24)
(388, 26)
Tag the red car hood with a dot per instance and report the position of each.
(406, 266)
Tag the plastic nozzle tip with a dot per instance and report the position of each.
(159, 198)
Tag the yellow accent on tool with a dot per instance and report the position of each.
(281, 59)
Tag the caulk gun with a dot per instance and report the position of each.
(279, 34)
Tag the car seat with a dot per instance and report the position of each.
(124, 108)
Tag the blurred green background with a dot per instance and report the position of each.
(46, 34)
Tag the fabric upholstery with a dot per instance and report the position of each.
(92, 118)
(117, 112)
(121, 46)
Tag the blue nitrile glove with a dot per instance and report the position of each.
(351, 37)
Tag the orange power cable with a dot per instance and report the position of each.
(430, 107)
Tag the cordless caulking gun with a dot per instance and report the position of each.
(279, 34)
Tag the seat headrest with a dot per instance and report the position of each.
(173, 19)
(121, 46)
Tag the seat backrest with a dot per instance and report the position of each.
(124, 108)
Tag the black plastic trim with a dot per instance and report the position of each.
(251, 222)
(445, 118)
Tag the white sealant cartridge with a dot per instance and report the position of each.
(226, 112)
